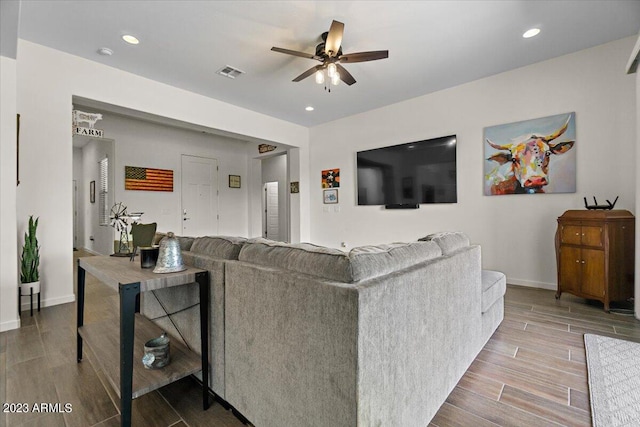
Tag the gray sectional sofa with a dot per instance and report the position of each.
(304, 335)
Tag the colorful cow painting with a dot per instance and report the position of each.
(532, 156)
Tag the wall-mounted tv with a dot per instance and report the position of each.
(408, 174)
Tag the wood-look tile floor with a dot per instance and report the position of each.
(532, 372)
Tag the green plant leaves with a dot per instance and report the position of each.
(30, 259)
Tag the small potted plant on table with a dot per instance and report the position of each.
(29, 263)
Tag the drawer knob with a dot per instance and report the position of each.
(577, 234)
(577, 260)
(583, 261)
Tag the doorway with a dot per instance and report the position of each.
(199, 196)
(275, 201)
(271, 211)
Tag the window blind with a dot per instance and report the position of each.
(103, 207)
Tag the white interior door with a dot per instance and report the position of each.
(199, 196)
(271, 211)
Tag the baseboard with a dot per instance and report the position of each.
(25, 304)
(532, 284)
(10, 325)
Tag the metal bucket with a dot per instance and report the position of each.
(157, 352)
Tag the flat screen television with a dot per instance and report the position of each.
(407, 175)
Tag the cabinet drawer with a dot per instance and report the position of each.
(592, 236)
(571, 234)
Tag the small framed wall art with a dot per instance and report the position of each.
(234, 181)
(331, 178)
(330, 196)
(295, 187)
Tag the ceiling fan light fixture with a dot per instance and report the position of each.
(319, 77)
(309, 108)
(332, 70)
(335, 80)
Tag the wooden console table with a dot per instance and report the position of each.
(130, 379)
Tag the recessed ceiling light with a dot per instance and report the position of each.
(105, 51)
(309, 108)
(531, 33)
(130, 39)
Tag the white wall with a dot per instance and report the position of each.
(516, 231)
(78, 177)
(48, 79)
(8, 233)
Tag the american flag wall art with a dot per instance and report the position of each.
(148, 179)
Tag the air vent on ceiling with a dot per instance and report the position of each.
(229, 71)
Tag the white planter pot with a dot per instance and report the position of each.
(25, 288)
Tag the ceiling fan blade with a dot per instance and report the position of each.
(365, 56)
(307, 73)
(345, 76)
(334, 38)
(296, 53)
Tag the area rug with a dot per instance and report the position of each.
(613, 366)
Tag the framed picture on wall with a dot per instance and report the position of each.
(331, 178)
(330, 196)
(92, 192)
(234, 181)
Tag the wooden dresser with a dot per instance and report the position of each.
(595, 251)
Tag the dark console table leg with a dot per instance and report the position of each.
(80, 308)
(129, 294)
(203, 282)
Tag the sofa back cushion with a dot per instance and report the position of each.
(359, 264)
(449, 241)
(225, 247)
(302, 257)
(372, 261)
(184, 242)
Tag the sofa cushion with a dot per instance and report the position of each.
(494, 286)
(302, 257)
(184, 242)
(372, 261)
(225, 247)
(360, 263)
(449, 241)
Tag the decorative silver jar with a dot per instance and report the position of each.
(169, 255)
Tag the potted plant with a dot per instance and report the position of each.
(30, 261)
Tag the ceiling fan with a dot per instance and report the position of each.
(329, 53)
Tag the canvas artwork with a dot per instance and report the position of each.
(531, 156)
(331, 178)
